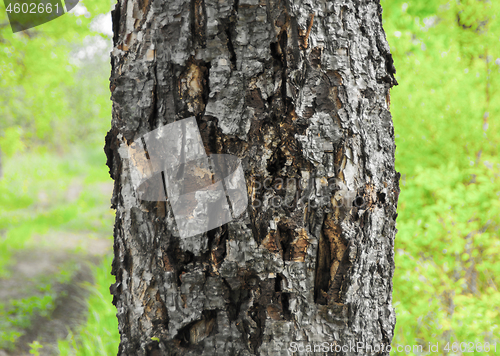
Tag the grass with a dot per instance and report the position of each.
(44, 194)
(16, 315)
(34, 198)
(99, 335)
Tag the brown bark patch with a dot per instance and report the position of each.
(196, 331)
(201, 330)
(274, 312)
(334, 94)
(370, 195)
(139, 159)
(150, 54)
(299, 246)
(254, 100)
(315, 57)
(198, 22)
(270, 242)
(191, 85)
(304, 34)
(144, 5)
(167, 265)
(335, 77)
(123, 47)
(330, 264)
(338, 247)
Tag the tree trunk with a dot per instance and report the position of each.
(299, 92)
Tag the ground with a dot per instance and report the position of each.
(43, 294)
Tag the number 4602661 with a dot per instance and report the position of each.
(466, 347)
(32, 8)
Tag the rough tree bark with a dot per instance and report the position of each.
(299, 91)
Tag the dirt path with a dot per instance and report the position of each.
(43, 264)
(34, 266)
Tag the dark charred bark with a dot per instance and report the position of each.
(299, 91)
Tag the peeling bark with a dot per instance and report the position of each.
(299, 91)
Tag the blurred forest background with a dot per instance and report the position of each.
(56, 225)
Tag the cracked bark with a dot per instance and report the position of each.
(299, 91)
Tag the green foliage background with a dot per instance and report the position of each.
(446, 116)
(43, 96)
(54, 113)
